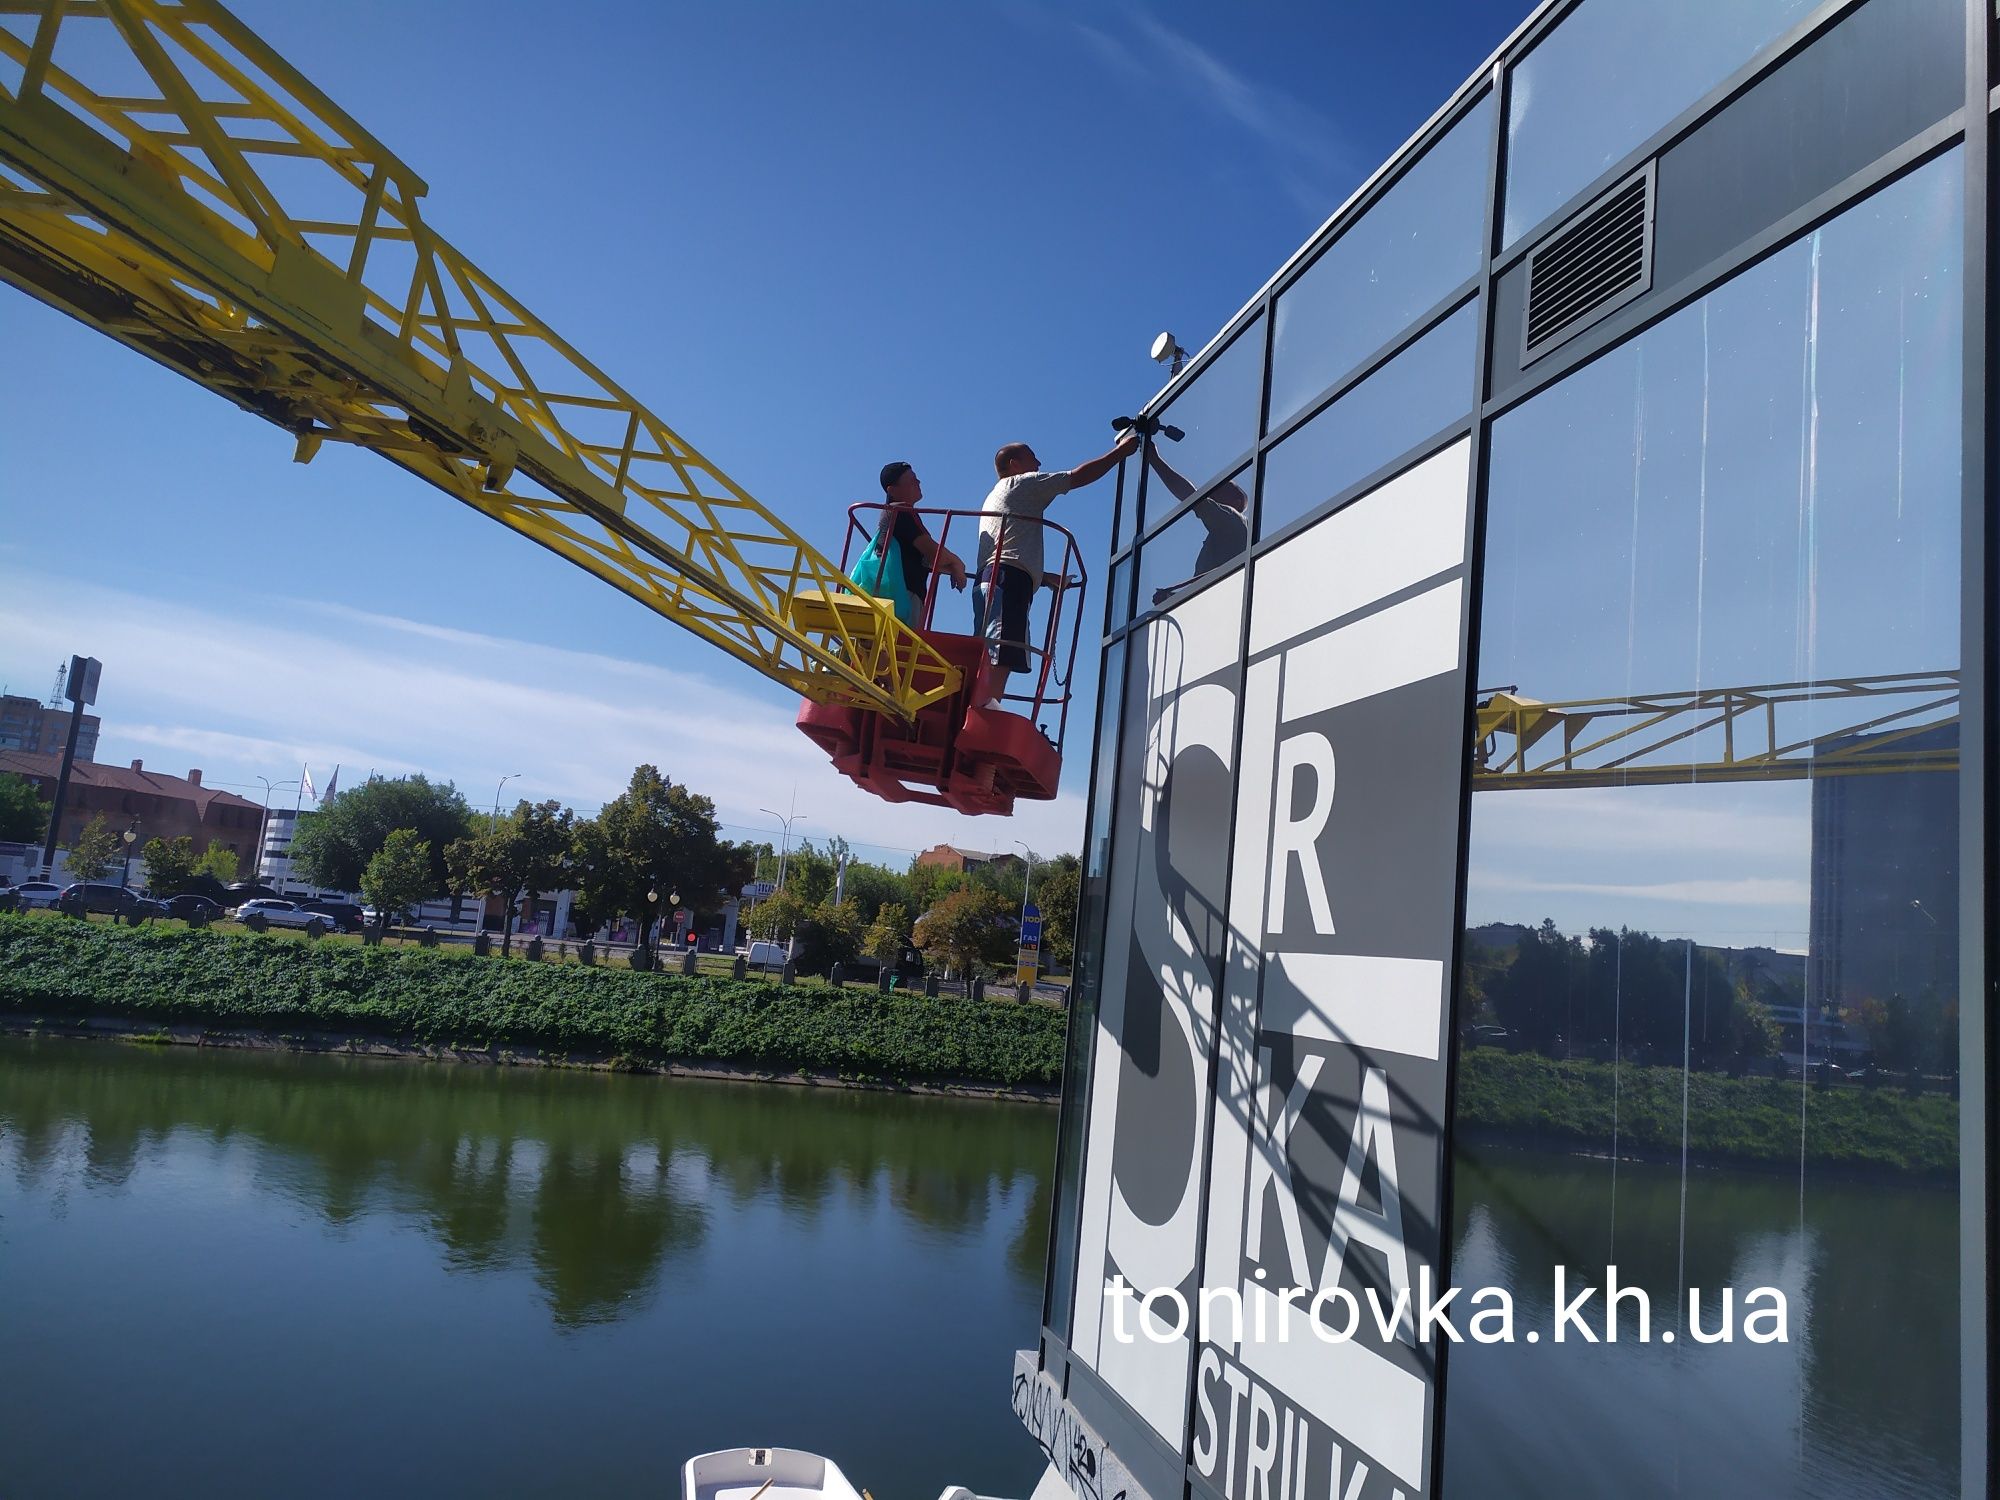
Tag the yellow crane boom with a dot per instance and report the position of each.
(231, 222)
(1884, 726)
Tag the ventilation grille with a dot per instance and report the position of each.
(1599, 261)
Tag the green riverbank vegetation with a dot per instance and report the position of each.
(66, 970)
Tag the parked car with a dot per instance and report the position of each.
(345, 915)
(32, 895)
(101, 896)
(235, 895)
(187, 903)
(284, 914)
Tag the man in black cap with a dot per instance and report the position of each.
(920, 552)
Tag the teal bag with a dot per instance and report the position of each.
(879, 572)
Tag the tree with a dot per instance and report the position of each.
(872, 887)
(885, 937)
(399, 876)
(831, 935)
(334, 845)
(1057, 886)
(777, 916)
(966, 929)
(524, 855)
(94, 850)
(930, 884)
(660, 838)
(24, 816)
(169, 866)
(219, 860)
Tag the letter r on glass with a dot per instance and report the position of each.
(1297, 837)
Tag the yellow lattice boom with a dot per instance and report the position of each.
(1883, 725)
(168, 179)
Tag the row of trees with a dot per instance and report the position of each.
(404, 841)
(1559, 993)
(965, 920)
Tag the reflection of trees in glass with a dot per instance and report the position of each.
(1626, 994)
(1907, 1034)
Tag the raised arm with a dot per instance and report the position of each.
(1096, 468)
(1169, 476)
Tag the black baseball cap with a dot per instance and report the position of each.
(893, 472)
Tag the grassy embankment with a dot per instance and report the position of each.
(1540, 1100)
(283, 986)
(65, 970)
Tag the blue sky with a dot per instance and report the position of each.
(811, 237)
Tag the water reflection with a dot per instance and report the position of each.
(1862, 1403)
(323, 1276)
(596, 1185)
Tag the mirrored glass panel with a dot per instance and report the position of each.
(1403, 257)
(1217, 415)
(1199, 544)
(1085, 976)
(1418, 393)
(1128, 507)
(1708, 993)
(1612, 73)
(1121, 592)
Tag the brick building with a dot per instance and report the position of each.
(26, 724)
(161, 806)
(951, 857)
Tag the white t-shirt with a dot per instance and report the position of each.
(1013, 520)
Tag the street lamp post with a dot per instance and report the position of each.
(786, 847)
(514, 776)
(130, 836)
(1027, 880)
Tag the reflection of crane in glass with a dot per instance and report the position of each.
(1522, 742)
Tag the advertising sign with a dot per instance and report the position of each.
(1268, 1087)
(1028, 960)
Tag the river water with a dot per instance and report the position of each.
(237, 1274)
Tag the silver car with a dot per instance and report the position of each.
(285, 914)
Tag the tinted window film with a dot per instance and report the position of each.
(1708, 993)
(1399, 260)
(1612, 73)
(1086, 975)
(1206, 539)
(1416, 394)
(1218, 413)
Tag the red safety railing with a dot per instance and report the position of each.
(1052, 669)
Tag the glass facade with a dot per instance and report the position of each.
(1528, 841)
(1421, 391)
(1413, 248)
(1611, 74)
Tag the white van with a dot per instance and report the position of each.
(765, 955)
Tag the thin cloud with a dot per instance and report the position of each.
(1303, 148)
(240, 696)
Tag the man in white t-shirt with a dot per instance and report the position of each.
(1011, 532)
